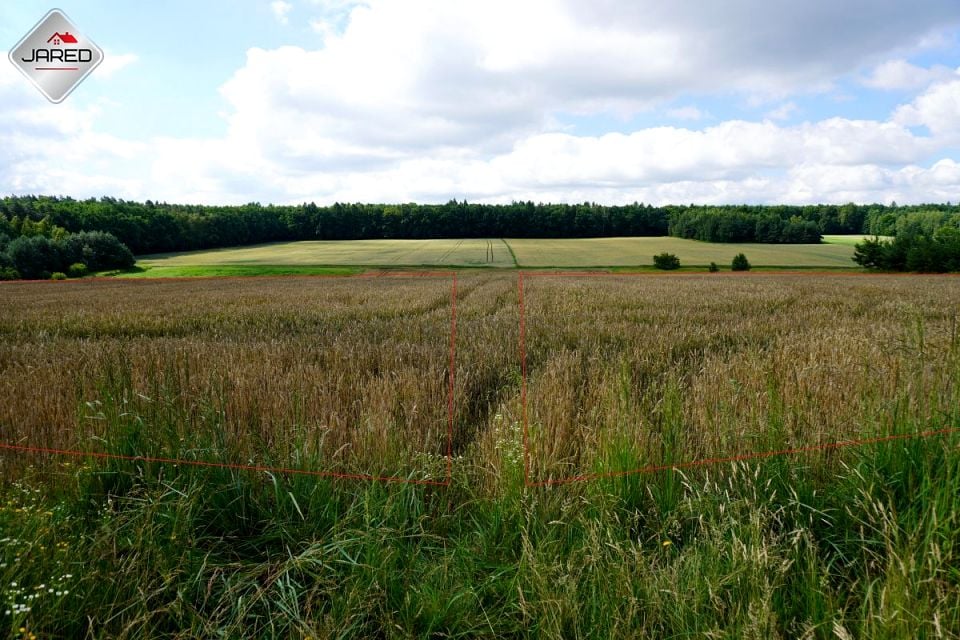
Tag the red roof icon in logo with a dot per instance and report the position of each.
(65, 37)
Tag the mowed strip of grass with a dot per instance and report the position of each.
(851, 240)
(625, 252)
(474, 252)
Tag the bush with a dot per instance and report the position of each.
(77, 270)
(97, 250)
(871, 253)
(58, 275)
(35, 257)
(740, 263)
(9, 273)
(666, 261)
(713, 268)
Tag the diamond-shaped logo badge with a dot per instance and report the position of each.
(55, 57)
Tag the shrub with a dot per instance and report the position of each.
(9, 273)
(97, 250)
(871, 253)
(77, 270)
(58, 275)
(740, 263)
(35, 257)
(713, 268)
(666, 261)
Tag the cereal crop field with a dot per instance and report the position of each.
(481, 454)
(835, 253)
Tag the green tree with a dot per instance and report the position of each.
(97, 250)
(871, 253)
(740, 263)
(34, 257)
(666, 261)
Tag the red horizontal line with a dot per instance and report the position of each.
(746, 456)
(218, 465)
(56, 68)
(726, 274)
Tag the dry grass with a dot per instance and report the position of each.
(350, 375)
(332, 374)
(629, 372)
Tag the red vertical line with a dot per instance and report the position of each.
(523, 381)
(453, 359)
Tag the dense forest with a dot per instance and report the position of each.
(152, 227)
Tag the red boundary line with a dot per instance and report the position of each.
(285, 470)
(680, 465)
(735, 274)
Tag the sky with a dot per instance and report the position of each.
(608, 101)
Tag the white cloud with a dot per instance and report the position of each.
(322, 28)
(900, 74)
(280, 10)
(423, 100)
(406, 77)
(784, 112)
(938, 109)
(688, 112)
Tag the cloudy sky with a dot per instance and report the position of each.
(679, 101)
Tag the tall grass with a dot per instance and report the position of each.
(859, 542)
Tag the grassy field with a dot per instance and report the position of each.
(388, 253)
(625, 252)
(851, 240)
(529, 253)
(351, 375)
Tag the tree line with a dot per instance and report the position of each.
(927, 241)
(938, 252)
(153, 227)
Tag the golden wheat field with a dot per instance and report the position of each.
(207, 407)
(638, 372)
(352, 375)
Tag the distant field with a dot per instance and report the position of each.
(851, 239)
(474, 252)
(529, 252)
(625, 252)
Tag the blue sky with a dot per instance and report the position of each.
(550, 100)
